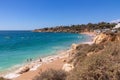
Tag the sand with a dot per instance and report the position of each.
(89, 33)
(56, 64)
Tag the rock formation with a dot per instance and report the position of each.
(67, 67)
(23, 70)
(103, 37)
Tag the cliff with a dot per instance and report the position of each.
(106, 37)
(97, 61)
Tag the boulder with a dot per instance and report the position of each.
(67, 67)
(90, 53)
(74, 46)
(23, 70)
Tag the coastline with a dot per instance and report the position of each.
(36, 66)
(89, 33)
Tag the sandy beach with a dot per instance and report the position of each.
(36, 67)
(56, 64)
(89, 33)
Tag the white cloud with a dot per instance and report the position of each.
(115, 21)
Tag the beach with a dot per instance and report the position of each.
(36, 67)
(56, 64)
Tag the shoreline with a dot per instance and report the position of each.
(34, 65)
(89, 33)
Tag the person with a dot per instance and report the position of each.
(27, 60)
(40, 60)
(30, 59)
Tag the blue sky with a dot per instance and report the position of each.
(32, 14)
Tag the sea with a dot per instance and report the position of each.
(16, 47)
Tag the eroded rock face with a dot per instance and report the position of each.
(99, 38)
(103, 37)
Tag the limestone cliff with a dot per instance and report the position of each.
(104, 37)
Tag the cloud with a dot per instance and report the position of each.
(115, 21)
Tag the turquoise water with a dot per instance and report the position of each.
(18, 46)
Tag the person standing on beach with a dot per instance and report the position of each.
(30, 59)
(40, 60)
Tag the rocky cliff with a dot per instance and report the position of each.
(105, 37)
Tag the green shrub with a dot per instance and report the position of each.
(52, 75)
(83, 49)
(104, 65)
(90, 68)
(1, 78)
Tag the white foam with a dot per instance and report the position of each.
(35, 67)
(90, 43)
(11, 75)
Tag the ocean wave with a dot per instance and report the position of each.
(0, 68)
(7, 37)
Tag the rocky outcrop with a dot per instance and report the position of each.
(90, 53)
(74, 46)
(103, 37)
(23, 70)
(72, 50)
(67, 67)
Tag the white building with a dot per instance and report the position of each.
(117, 26)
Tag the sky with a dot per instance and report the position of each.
(34, 14)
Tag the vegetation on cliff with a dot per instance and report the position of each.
(1, 78)
(52, 75)
(90, 27)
